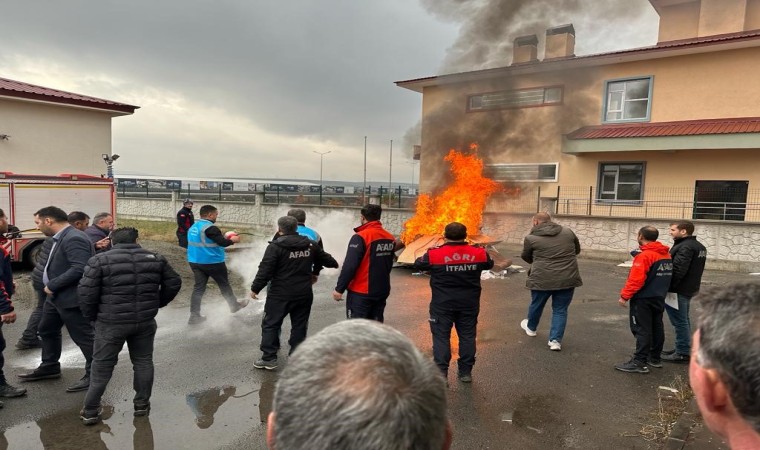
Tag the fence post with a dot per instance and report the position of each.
(278, 194)
(320, 194)
(147, 189)
(399, 196)
(590, 198)
(220, 192)
(556, 206)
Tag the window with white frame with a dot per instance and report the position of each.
(522, 172)
(518, 98)
(621, 182)
(628, 100)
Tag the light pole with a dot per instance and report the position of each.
(109, 159)
(321, 159)
(390, 175)
(364, 189)
(413, 163)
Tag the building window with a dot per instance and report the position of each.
(628, 100)
(522, 172)
(621, 182)
(519, 98)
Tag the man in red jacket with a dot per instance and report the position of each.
(455, 269)
(645, 289)
(366, 272)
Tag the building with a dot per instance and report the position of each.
(45, 131)
(670, 131)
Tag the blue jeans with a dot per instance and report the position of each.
(560, 302)
(680, 320)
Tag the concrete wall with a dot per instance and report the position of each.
(730, 246)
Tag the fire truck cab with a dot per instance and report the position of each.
(23, 195)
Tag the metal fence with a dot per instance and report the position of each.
(663, 203)
(311, 195)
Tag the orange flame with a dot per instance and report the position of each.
(463, 201)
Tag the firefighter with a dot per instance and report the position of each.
(455, 269)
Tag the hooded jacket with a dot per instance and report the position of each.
(126, 285)
(552, 251)
(689, 257)
(650, 274)
(288, 263)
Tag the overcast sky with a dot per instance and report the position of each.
(251, 88)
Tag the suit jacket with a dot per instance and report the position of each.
(66, 265)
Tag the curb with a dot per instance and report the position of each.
(679, 434)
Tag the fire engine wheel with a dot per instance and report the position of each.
(31, 256)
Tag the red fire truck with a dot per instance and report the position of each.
(22, 195)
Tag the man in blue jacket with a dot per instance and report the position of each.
(205, 253)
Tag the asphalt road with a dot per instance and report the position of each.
(207, 395)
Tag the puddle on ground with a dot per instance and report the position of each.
(206, 418)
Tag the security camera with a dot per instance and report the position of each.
(115, 157)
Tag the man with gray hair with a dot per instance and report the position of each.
(288, 265)
(725, 368)
(100, 230)
(359, 384)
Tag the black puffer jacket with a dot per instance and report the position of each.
(289, 262)
(126, 284)
(39, 265)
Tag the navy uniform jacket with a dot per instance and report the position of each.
(455, 269)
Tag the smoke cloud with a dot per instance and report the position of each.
(489, 27)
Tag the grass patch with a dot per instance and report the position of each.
(672, 401)
(152, 230)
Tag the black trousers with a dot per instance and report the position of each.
(364, 307)
(201, 273)
(31, 332)
(275, 311)
(466, 323)
(80, 330)
(109, 340)
(647, 328)
(182, 239)
(2, 358)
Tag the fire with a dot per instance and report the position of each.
(463, 201)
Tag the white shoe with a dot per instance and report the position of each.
(524, 326)
(555, 345)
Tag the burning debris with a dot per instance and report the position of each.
(463, 201)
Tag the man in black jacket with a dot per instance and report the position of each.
(61, 272)
(185, 220)
(689, 258)
(121, 291)
(455, 269)
(288, 263)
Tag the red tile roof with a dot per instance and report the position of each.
(657, 129)
(17, 89)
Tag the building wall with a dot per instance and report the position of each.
(49, 140)
(730, 246)
(699, 86)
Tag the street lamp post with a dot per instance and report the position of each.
(321, 159)
(109, 159)
(413, 163)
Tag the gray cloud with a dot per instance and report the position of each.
(251, 88)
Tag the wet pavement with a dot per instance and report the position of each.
(207, 394)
